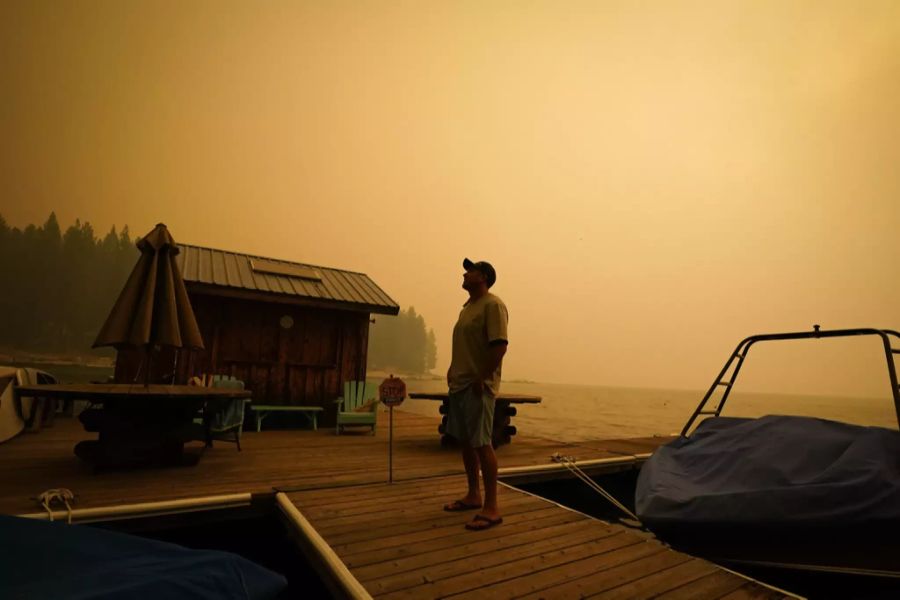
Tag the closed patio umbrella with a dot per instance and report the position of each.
(153, 308)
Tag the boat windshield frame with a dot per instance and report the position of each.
(740, 354)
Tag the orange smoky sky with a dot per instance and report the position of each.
(653, 181)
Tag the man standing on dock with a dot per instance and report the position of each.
(479, 343)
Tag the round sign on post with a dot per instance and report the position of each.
(392, 392)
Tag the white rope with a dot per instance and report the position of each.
(569, 463)
(58, 496)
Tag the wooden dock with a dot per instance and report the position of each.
(393, 539)
(398, 543)
(270, 460)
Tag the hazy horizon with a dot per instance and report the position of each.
(652, 182)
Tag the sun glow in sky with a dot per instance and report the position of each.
(653, 181)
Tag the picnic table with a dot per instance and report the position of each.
(503, 430)
(136, 423)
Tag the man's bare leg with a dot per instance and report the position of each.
(488, 460)
(470, 460)
(472, 499)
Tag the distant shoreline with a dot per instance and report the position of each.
(10, 355)
(381, 374)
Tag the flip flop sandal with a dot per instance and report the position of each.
(459, 506)
(480, 522)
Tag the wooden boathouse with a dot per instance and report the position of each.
(292, 332)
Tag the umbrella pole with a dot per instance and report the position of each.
(149, 363)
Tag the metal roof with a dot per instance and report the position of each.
(224, 269)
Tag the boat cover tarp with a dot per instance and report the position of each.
(775, 470)
(40, 559)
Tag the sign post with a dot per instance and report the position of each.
(392, 392)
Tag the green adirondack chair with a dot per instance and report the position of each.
(228, 418)
(352, 409)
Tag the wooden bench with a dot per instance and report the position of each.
(503, 430)
(262, 410)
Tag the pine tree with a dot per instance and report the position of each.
(431, 351)
(48, 259)
(61, 285)
(402, 344)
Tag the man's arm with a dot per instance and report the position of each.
(495, 355)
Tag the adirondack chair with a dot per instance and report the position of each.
(227, 418)
(36, 412)
(357, 406)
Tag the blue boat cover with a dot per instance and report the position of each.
(39, 559)
(776, 470)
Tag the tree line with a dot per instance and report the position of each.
(402, 344)
(59, 287)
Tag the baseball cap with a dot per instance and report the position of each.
(484, 267)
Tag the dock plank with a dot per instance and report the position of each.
(409, 536)
(510, 577)
(412, 517)
(462, 567)
(542, 579)
(656, 583)
(497, 546)
(750, 591)
(655, 558)
(714, 585)
(536, 521)
(457, 561)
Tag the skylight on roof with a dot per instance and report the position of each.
(288, 270)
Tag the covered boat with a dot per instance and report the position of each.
(43, 559)
(775, 472)
(783, 490)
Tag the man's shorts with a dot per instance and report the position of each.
(470, 418)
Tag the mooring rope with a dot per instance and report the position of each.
(59, 496)
(569, 463)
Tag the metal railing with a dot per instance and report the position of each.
(740, 354)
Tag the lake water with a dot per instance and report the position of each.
(580, 412)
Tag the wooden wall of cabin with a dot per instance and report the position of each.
(302, 365)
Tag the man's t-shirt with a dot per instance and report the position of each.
(480, 323)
